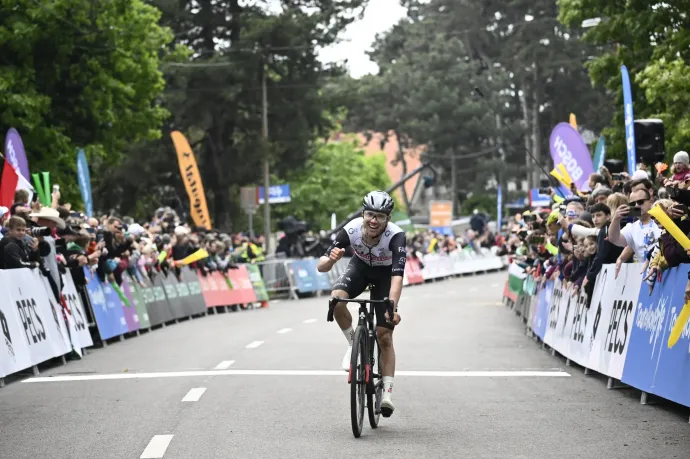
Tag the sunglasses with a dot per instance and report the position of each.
(637, 203)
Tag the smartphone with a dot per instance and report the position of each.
(56, 188)
(99, 237)
(672, 192)
(545, 191)
(682, 207)
(635, 212)
(618, 177)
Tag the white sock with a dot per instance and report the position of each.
(349, 335)
(388, 386)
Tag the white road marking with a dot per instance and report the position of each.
(156, 447)
(224, 365)
(284, 330)
(194, 394)
(178, 374)
(254, 344)
(309, 321)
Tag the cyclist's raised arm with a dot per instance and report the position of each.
(334, 252)
(397, 247)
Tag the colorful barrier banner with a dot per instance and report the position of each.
(624, 332)
(567, 147)
(257, 282)
(134, 295)
(78, 321)
(109, 318)
(304, 276)
(413, 272)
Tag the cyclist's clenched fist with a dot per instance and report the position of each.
(336, 254)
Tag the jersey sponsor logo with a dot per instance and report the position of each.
(401, 261)
(351, 231)
(372, 257)
(401, 249)
(388, 233)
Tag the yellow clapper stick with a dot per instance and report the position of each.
(658, 213)
(196, 256)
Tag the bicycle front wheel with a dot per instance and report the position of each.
(358, 383)
(375, 386)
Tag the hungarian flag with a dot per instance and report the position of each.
(8, 184)
(11, 181)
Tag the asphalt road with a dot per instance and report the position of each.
(272, 411)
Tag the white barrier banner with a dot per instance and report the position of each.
(614, 311)
(14, 350)
(596, 337)
(41, 328)
(78, 323)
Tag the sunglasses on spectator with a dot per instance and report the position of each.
(637, 203)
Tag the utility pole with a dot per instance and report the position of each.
(267, 184)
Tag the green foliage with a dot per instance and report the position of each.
(430, 63)
(80, 74)
(653, 43)
(334, 179)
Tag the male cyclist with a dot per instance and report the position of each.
(379, 248)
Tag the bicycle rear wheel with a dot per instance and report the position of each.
(375, 386)
(358, 384)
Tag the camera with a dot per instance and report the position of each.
(41, 231)
(545, 191)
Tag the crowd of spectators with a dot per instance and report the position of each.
(610, 224)
(53, 239)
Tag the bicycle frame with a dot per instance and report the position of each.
(366, 319)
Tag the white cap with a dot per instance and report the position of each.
(640, 174)
(180, 231)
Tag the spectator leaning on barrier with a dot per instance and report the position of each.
(639, 235)
(16, 254)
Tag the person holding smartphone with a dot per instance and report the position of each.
(640, 235)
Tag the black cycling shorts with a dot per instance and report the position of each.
(358, 276)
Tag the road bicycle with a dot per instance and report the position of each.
(364, 375)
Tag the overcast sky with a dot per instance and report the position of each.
(379, 17)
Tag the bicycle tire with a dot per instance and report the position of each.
(375, 389)
(358, 387)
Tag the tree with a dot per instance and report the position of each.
(652, 41)
(335, 179)
(80, 74)
(215, 97)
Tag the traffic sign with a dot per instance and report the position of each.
(276, 194)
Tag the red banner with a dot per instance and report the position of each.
(242, 285)
(217, 292)
(413, 271)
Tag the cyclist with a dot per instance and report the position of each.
(379, 248)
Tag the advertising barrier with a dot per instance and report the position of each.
(624, 332)
(32, 322)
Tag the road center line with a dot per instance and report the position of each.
(254, 344)
(224, 365)
(194, 394)
(156, 447)
(309, 321)
(178, 374)
(284, 330)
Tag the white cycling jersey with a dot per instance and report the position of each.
(379, 255)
